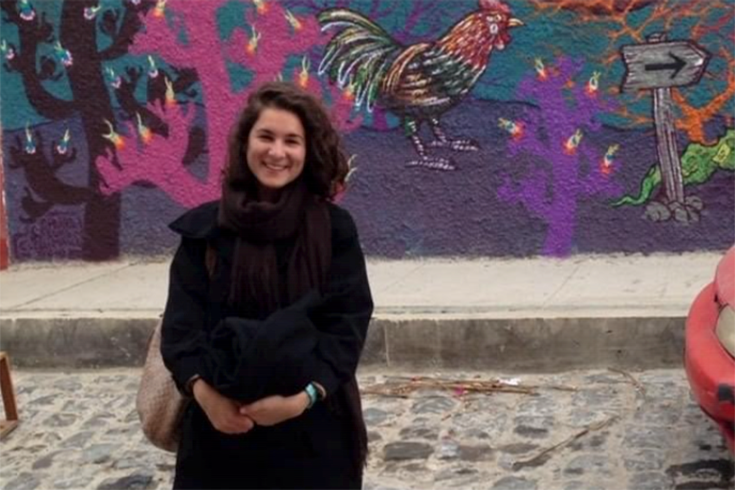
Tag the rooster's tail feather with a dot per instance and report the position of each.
(359, 55)
(349, 18)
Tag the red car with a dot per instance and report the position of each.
(710, 348)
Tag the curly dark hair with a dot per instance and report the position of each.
(326, 164)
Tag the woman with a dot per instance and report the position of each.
(268, 310)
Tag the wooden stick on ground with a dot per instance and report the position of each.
(641, 389)
(401, 387)
(458, 386)
(532, 461)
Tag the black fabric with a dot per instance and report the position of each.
(318, 338)
(242, 361)
(310, 452)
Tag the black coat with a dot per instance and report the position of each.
(319, 338)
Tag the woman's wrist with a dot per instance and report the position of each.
(189, 387)
(302, 402)
(198, 389)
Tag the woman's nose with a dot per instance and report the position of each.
(277, 149)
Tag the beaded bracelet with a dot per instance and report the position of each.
(312, 393)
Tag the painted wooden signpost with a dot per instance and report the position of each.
(659, 65)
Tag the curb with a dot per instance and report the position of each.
(515, 344)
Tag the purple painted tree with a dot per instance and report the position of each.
(553, 136)
(272, 35)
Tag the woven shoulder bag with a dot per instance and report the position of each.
(159, 404)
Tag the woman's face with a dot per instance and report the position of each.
(276, 150)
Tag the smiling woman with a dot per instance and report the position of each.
(268, 309)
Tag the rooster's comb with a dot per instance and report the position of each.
(494, 5)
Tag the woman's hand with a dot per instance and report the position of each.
(221, 411)
(275, 409)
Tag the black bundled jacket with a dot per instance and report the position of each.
(249, 359)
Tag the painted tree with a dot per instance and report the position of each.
(554, 138)
(139, 123)
(78, 61)
(269, 36)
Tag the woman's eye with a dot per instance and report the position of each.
(493, 28)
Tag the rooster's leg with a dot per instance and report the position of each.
(436, 163)
(453, 144)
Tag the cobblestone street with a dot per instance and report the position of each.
(79, 429)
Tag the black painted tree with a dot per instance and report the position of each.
(88, 37)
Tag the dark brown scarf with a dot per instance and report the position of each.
(296, 217)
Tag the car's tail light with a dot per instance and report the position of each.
(725, 329)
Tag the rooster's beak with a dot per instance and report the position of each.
(513, 22)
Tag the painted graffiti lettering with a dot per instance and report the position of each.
(56, 235)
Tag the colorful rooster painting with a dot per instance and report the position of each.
(418, 82)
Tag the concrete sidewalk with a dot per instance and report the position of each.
(524, 314)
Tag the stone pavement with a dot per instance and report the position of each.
(79, 430)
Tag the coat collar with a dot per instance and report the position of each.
(199, 222)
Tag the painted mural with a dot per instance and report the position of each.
(4, 252)
(477, 128)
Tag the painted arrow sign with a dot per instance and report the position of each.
(663, 64)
